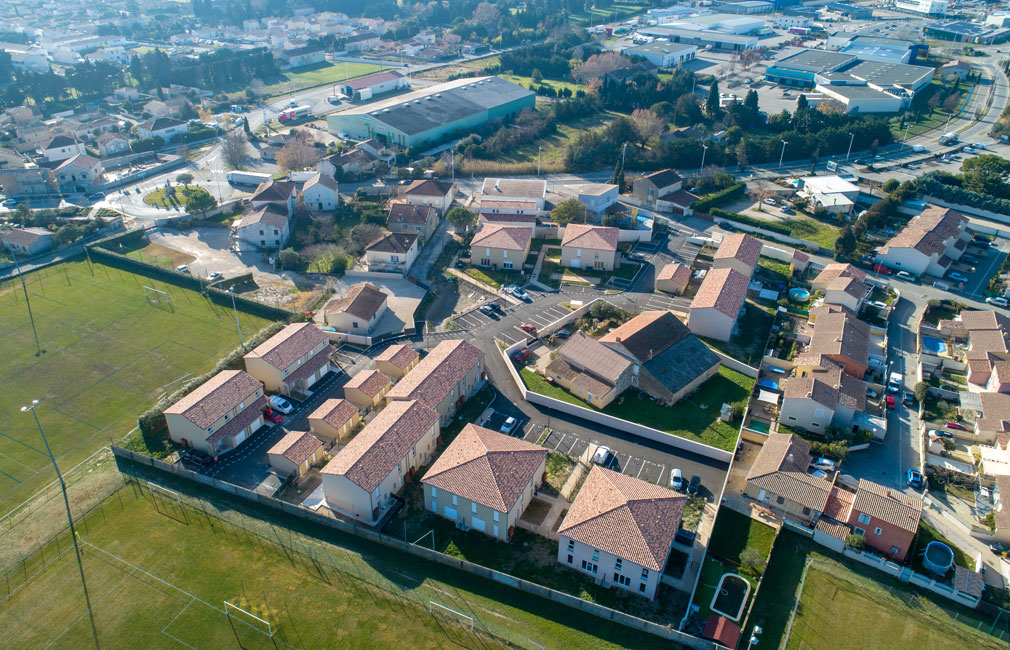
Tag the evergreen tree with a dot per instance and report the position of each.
(618, 177)
(712, 103)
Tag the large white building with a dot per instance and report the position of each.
(664, 54)
(928, 7)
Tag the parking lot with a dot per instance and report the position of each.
(662, 302)
(538, 319)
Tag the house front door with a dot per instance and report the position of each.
(763, 496)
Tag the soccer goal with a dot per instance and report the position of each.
(233, 611)
(158, 298)
(451, 614)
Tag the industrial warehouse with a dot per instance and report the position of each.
(428, 115)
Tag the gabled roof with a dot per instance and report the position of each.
(296, 446)
(723, 289)
(438, 373)
(739, 246)
(675, 272)
(59, 141)
(486, 467)
(288, 345)
(399, 355)
(209, 401)
(372, 454)
(82, 160)
(648, 334)
(362, 300)
(335, 412)
(324, 180)
(513, 188)
(515, 238)
(837, 332)
(392, 242)
(369, 382)
(893, 506)
(626, 517)
(602, 238)
(269, 214)
(663, 178)
(24, 236)
(160, 124)
(372, 79)
(927, 232)
(781, 468)
(413, 214)
(428, 187)
(276, 191)
(586, 353)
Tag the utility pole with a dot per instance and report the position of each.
(235, 309)
(907, 126)
(783, 154)
(852, 137)
(624, 150)
(70, 517)
(539, 151)
(453, 163)
(704, 150)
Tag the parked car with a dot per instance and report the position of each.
(215, 276)
(960, 277)
(826, 464)
(638, 257)
(529, 329)
(202, 457)
(182, 268)
(421, 352)
(508, 425)
(522, 355)
(769, 202)
(908, 399)
(998, 301)
(969, 259)
(905, 275)
(890, 402)
(785, 209)
(676, 479)
(941, 433)
(281, 404)
(562, 334)
(692, 487)
(955, 425)
(487, 310)
(460, 264)
(602, 455)
(819, 473)
(915, 479)
(871, 393)
(272, 416)
(520, 294)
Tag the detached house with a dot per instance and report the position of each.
(266, 226)
(514, 189)
(165, 128)
(292, 360)
(397, 360)
(929, 244)
(887, 518)
(61, 147)
(392, 252)
(367, 389)
(78, 173)
(673, 278)
(484, 480)
(112, 144)
(27, 241)
(219, 414)
(779, 479)
(589, 247)
(822, 397)
(501, 247)
(413, 219)
(739, 252)
(320, 193)
(842, 284)
(717, 304)
(592, 371)
(295, 453)
(838, 336)
(430, 193)
(443, 380)
(663, 190)
(362, 478)
(358, 311)
(620, 530)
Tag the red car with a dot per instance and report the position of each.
(529, 329)
(955, 425)
(273, 416)
(890, 401)
(522, 355)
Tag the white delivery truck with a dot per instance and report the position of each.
(895, 382)
(247, 178)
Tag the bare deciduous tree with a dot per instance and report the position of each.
(486, 14)
(598, 65)
(297, 155)
(648, 124)
(233, 148)
(364, 234)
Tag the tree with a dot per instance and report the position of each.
(647, 124)
(297, 155)
(712, 102)
(364, 234)
(569, 211)
(618, 178)
(687, 111)
(200, 201)
(845, 245)
(289, 258)
(598, 65)
(461, 219)
(233, 148)
(920, 391)
(802, 104)
(890, 185)
(751, 561)
(855, 541)
(184, 179)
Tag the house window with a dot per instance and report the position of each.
(589, 567)
(816, 425)
(507, 264)
(473, 506)
(617, 564)
(571, 545)
(454, 500)
(878, 530)
(645, 574)
(792, 419)
(779, 500)
(641, 587)
(859, 531)
(806, 511)
(864, 518)
(434, 492)
(622, 580)
(354, 324)
(596, 555)
(569, 559)
(495, 515)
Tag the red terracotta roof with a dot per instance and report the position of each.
(288, 345)
(296, 446)
(893, 506)
(400, 356)
(209, 401)
(515, 238)
(741, 247)
(334, 412)
(723, 289)
(438, 373)
(601, 238)
(369, 382)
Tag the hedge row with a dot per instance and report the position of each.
(930, 185)
(774, 226)
(722, 197)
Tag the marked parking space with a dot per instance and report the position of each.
(652, 472)
(578, 448)
(509, 339)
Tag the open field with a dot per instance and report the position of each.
(156, 254)
(343, 592)
(318, 74)
(109, 355)
(696, 417)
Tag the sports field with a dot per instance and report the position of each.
(160, 570)
(108, 356)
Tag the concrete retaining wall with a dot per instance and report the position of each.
(733, 364)
(372, 275)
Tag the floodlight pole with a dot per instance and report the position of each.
(907, 126)
(237, 325)
(852, 138)
(31, 317)
(70, 517)
(783, 154)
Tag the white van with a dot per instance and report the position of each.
(942, 286)
(905, 275)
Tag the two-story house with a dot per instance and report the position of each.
(363, 476)
(673, 278)
(165, 128)
(27, 241)
(218, 415)
(292, 360)
(514, 189)
(358, 311)
(334, 420)
(821, 398)
(928, 244)
(61, 147)
(739, 252)
(419, 220)
(484, 480)
(429, 193)
(266, 226)
(778, 478)
(842, 284)
(663, 190)
(397, 360)
(367, 389)
(391, 252)
(886, 517)
(839, 337)
(319, 193)
(716, 306)
(620, 530)
(501, 247)
(443, 380)
(589, 247)
(78, 173)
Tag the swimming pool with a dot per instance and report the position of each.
(799, 295)
(933, 345)
(768, 383)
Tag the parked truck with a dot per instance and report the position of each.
(297, 112)
(948, 138)
(247, 178)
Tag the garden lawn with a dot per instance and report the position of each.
(160, 198)
(493, 278)
(696, 417)
(929, 534)
(734, 532)
(318, 74)
(749, 341)
(818, 232)
(156, 254)
(109, 355)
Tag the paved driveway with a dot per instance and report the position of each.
(210, 247)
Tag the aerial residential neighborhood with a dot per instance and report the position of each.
(528, 324)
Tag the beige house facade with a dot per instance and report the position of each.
(295, 453)
(367, 389)
(219, 415)
(589, 247)
(292, 360)
(397, 360)
(334, 420)
(443, 380)
(501, 247)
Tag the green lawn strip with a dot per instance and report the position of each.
(492, 604)
(318, 74)
(695, 417)
(773, 269)
(734, 532)
(548, 268)
(109, 355)
(929, 534)
(161, 198)
(818, 232)
(748, 343)
(494, 278)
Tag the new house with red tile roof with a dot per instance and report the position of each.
(363, 476)
(391, 252)
(334, 420)
(739, 252)
(589, 247)
(367, 389)
(928, 244)
(837, 336)
(673, 278)
(443, 380)
(427, 192)
(219, 414)
(508, 212)
(620, 530)
(717, 304)
(842, 284)
(501, 247)
(295, 453)
(822, 397)
(484, 480)
(779, 479)
(886, 517)
(397, 360)
(358, 311)
(292, 360)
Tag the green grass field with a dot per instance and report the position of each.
(318, 74)
(109, 355)
(159, 573)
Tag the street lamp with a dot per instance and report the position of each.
(783, 154)
(949, 115)
(852, 137)
(539, 150)
(70, 517)
(704, 150)
(907, 126)
(754, 637)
